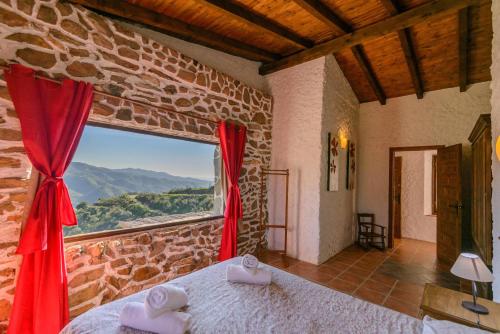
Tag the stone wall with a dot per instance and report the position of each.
(100, 271)
(239, 68)
(15, 171)
(62, 40)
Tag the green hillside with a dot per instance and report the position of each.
(105, 213)
(87, 183)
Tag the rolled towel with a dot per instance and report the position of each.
(164, 298)
(134, 315)
(239, 274)
(249, 261)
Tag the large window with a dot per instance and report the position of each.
(120, 179)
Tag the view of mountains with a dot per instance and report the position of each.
(87, 183)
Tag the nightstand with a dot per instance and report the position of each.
(445, 304)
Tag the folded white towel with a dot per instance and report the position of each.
(239, 274)
(433, 326)
(249, 261)
(164, 298)
(134, 315)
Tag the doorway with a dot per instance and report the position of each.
(441, 199)
(404, 165)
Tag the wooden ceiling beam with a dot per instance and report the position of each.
(364, 63)
(411, 61)
(325, 14)
(240, 13)
(176, 28)
(463, 41)
(394, 23)
(408, 49)
(390, 6)
(359, 54)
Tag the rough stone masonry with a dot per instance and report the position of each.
(62, 40)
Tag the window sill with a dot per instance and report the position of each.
(105, 234)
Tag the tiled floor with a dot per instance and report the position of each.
(394, 278)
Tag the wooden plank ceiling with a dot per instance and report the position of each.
(386, 48)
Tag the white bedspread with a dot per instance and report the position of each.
(289, 305)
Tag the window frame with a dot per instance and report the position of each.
(131, 230)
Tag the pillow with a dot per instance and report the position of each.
(433, 326)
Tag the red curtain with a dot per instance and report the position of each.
(232, 143)
(52, 118)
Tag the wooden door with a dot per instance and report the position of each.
(449, 203)
(481, 222)
(396, 196)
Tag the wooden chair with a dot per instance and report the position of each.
(369, 233)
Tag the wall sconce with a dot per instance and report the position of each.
(343, 140)
(497, 148)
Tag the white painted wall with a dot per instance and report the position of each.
(340, 114)
(495, 128)
(414, 223)
(443, 117)
(246, 71)
(311, 100)
(297, 116)
(428, 182)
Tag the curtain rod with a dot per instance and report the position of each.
(147, 105)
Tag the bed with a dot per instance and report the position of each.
(289, 305)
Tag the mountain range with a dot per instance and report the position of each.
(87, 183)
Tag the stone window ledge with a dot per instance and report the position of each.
(125, 231)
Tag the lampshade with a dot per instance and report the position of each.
(471, 267)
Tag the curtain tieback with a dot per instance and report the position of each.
(34, 236)
(54, 179)
(233, 205)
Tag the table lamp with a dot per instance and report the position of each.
(470, 266)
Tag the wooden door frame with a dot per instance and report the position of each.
(392, 154)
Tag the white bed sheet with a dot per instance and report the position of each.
(290, 304)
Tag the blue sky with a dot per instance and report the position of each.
(123, 149)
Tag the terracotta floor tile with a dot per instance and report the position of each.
(403, 259)
(336, 264)
(369, 295)
(342, 285)
(331, 270)
(404, 251)
(353, 248)
(400, 306)
(382, 278)
(367, 264)
(309, 273)
(377, 286)
(268, 256)
(359, 271)
(353, 278)
(408, 286)
(401, 272)
(411, 296)
(349, 260)
(375, 261)
(284, 262)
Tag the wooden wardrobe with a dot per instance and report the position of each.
(481, 220)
